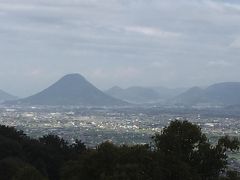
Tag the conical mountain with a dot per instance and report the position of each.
(72, 89)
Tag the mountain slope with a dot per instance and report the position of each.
(189, 97)
(227, 93)
(72, 89)
(168, 93)
(4, 96)
(134, 94)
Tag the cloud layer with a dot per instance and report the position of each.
(171, 43)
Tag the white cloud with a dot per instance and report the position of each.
(127, 73)
(150, 31)
(141, 41)
(235, 43)
(219, 63)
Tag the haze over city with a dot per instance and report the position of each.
(118, 42)
(119, 89)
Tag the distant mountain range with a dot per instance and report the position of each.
(227, 93)
(168, 93)
(72, 89)
(220, 94)
(137, 95)
(142, 95)
(4, 96)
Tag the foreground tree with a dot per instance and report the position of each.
(185, 143)
(180, 152)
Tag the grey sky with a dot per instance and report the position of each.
(172, 43)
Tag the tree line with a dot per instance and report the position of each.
(180, 152)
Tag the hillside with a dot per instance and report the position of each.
(72, 89)
(4, 96)
(227, 93)
(136, 95)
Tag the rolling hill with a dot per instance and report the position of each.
(227, 93)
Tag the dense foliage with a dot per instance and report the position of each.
(180, 152)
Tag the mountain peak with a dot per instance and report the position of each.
(73, 76)
(72, 89)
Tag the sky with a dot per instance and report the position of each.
(172, 43)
